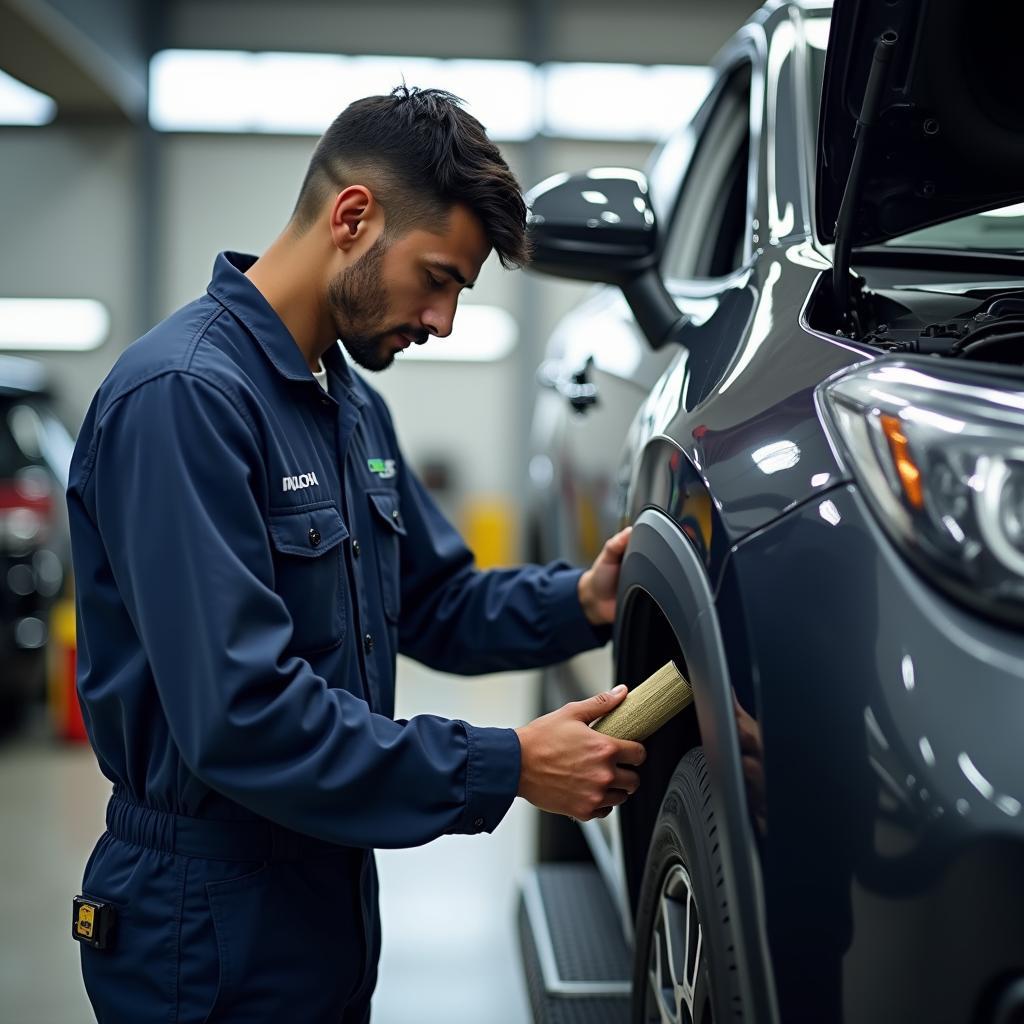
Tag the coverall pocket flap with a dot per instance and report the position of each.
(308, 533)
(386, 505)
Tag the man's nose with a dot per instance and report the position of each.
(438, 321)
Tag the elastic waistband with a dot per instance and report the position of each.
(216, 839)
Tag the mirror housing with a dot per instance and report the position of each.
(599, 226)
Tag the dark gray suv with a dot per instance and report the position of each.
(800, 379)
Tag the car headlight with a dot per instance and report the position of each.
(940, 457)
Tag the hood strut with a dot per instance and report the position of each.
(868, 112)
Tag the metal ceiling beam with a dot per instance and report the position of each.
(88, 55)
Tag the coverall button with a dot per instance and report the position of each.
(394, 514)
(479, 823)
(355, 547)
(368, 643)
(314, 536)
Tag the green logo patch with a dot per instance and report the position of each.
(384, 468)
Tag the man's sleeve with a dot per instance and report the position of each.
(459, 619)
(174, 484)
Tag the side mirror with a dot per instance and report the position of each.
(599, 226)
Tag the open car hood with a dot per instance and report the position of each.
(948, 138)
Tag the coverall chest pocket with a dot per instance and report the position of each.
(389, 529)
(309, 574)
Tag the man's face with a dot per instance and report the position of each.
(403, 292)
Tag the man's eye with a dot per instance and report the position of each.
(433, 282)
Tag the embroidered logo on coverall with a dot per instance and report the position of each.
(384, 468)
(300, 482)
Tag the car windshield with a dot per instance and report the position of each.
(995, 230)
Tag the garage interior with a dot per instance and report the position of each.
(119, 188)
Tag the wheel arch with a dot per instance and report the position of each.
(661, 574)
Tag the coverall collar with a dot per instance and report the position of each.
(230, 287)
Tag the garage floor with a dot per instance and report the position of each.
(449, 952)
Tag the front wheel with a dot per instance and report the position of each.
(685, 966)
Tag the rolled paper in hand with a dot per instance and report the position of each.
(649, 706)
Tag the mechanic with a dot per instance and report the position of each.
(251, 551)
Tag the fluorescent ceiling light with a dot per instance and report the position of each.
(622, 101)
(53, 324)
(21, 104)
(480, 334)
(201, 90)
(293, 92)
(301, 93)
(503, 95)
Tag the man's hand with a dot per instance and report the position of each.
(567, 768)
(599, 583)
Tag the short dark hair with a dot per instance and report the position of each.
(419, 152)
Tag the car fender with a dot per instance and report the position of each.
(661, 562)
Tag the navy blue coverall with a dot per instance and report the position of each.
(250, 555)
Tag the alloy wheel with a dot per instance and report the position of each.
(677, 975)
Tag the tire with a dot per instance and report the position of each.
(691, 979)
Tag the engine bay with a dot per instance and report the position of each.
(984, 324)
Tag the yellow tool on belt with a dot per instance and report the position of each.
(649, 706)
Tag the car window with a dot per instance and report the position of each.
(995, 231)
(787, 179)
(709, 231)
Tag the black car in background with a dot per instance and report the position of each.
(802, 382)
(35, 452)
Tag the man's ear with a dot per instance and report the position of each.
(352, 215)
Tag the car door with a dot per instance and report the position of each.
(601, 369)
(598, 370)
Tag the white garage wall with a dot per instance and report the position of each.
(69, 216)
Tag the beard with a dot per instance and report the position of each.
(357, 297)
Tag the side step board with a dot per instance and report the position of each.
(576, 960)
